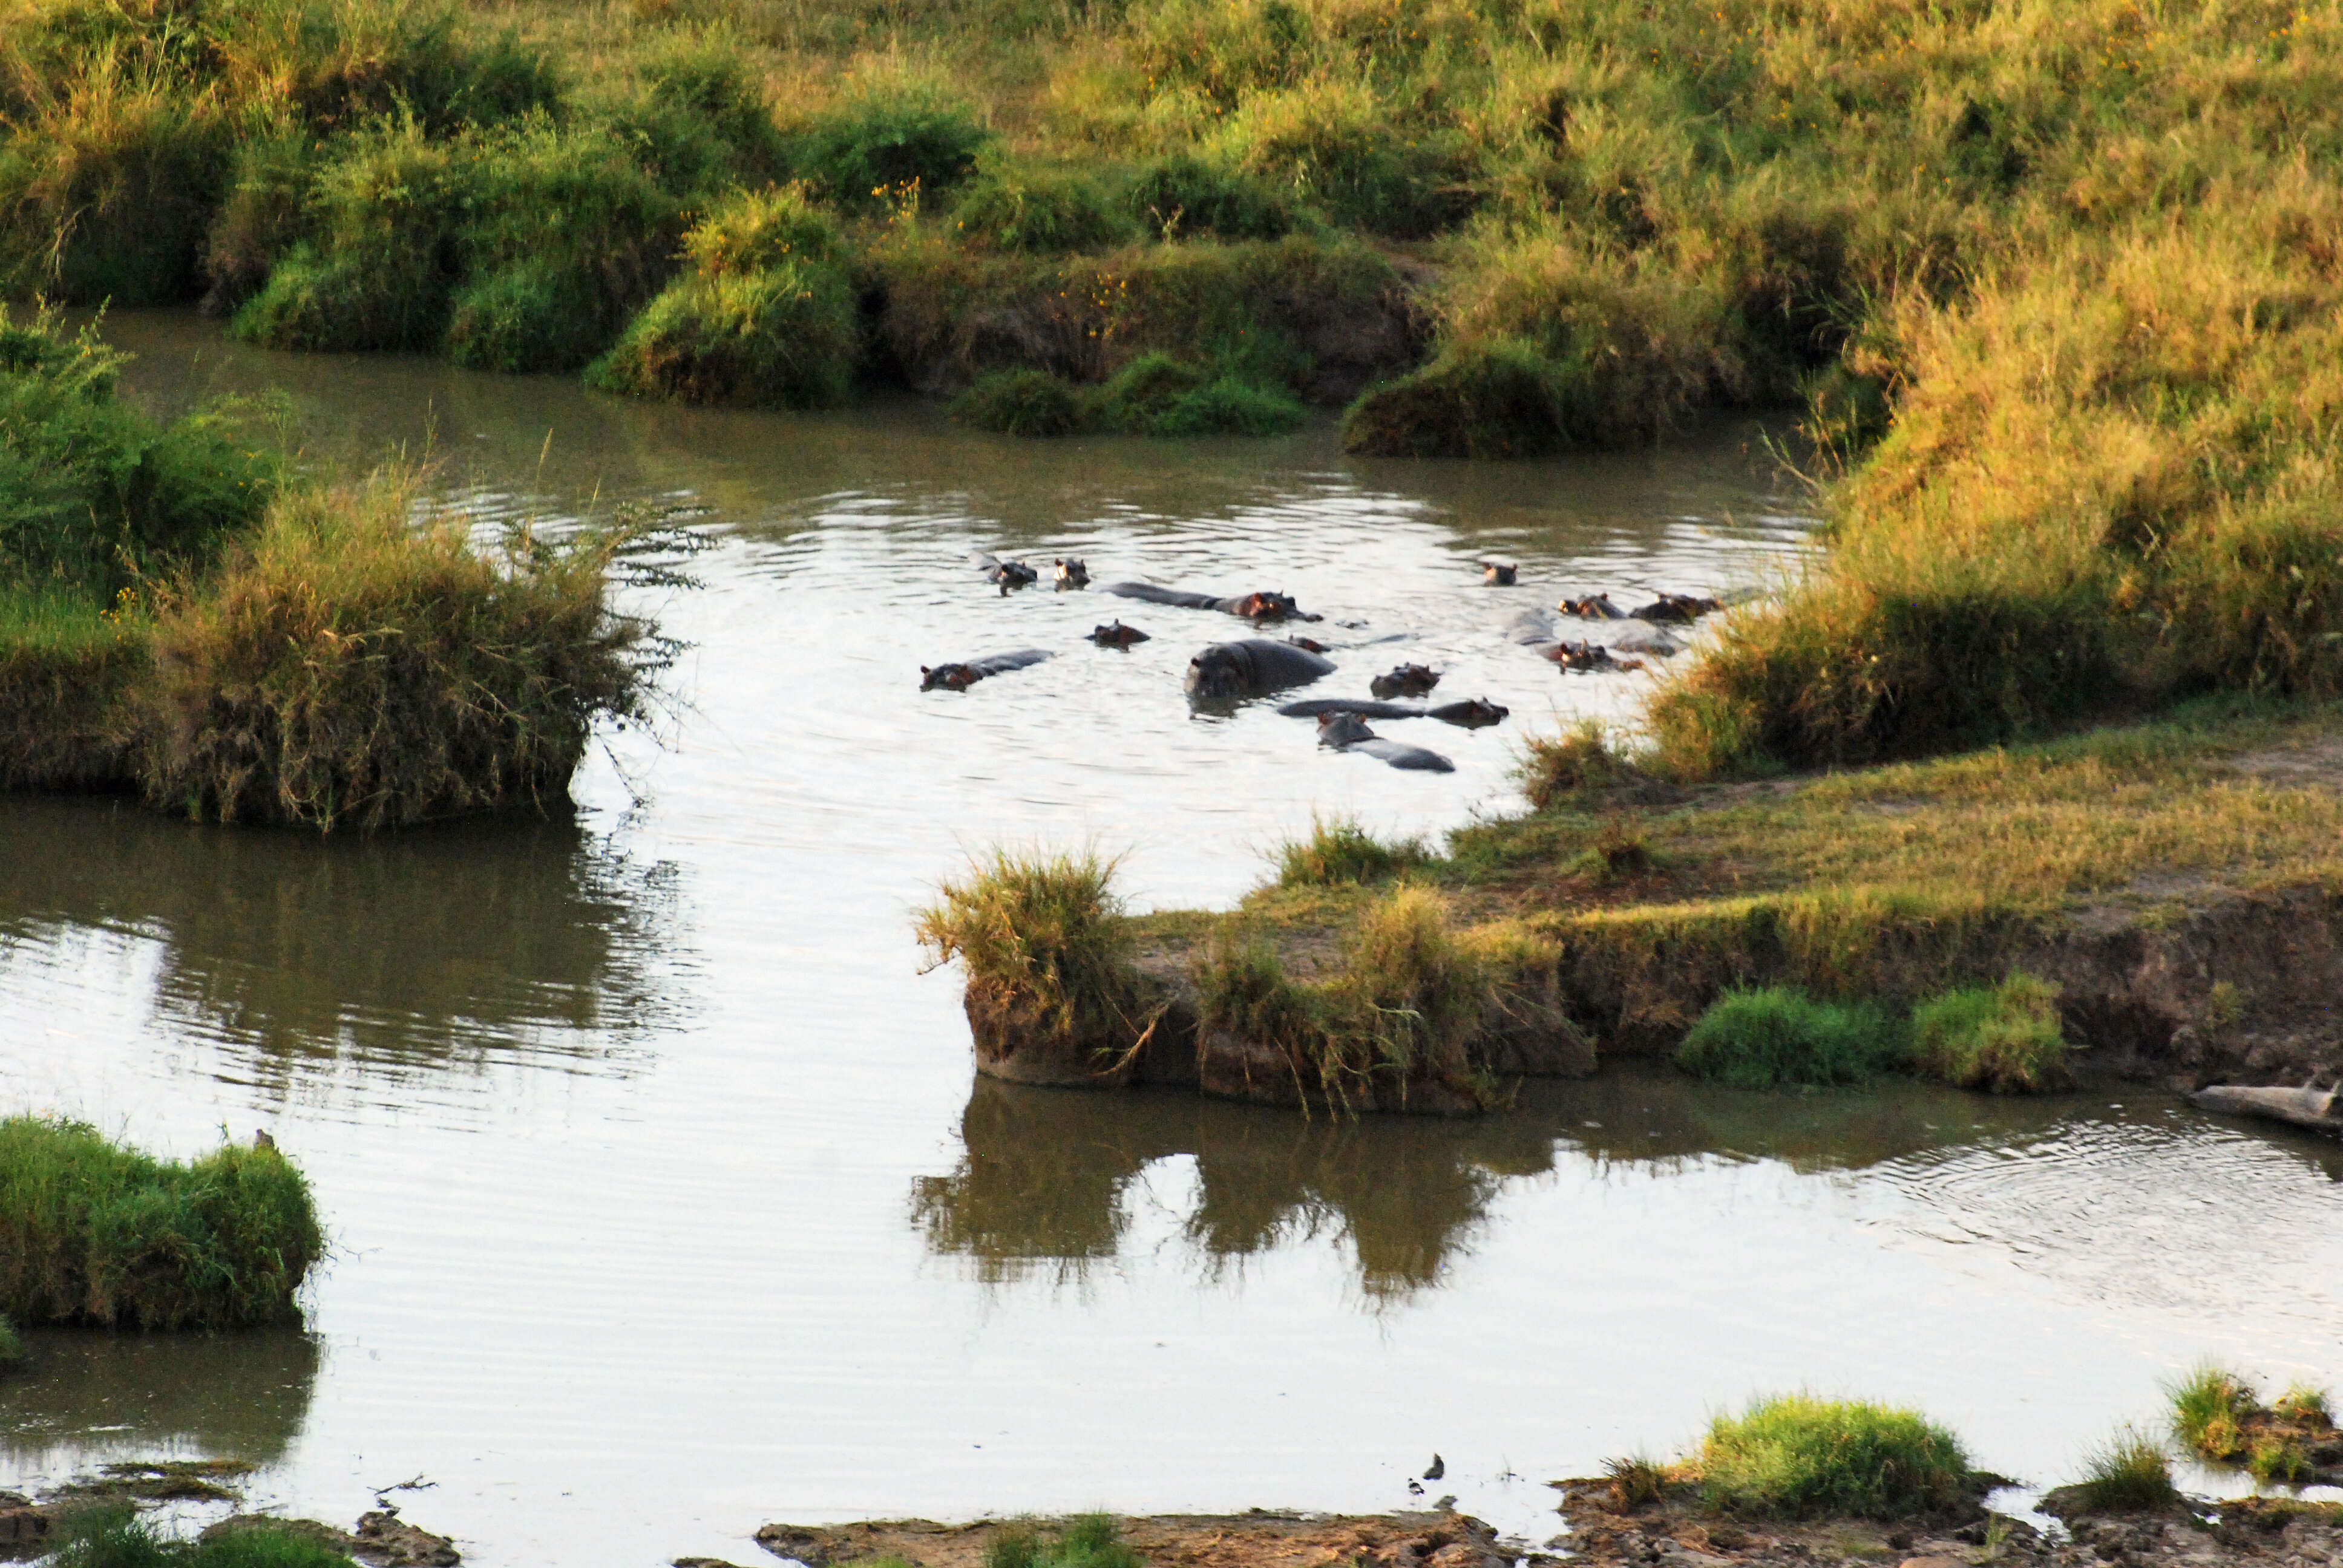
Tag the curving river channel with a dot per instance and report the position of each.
(664, 1203)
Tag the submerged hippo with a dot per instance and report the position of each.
(1254, 667)
(1678, 608)
(1404, 680)
(1008, 574)
(1595, 606)
(1349, 732)
(1311, 643)
(1116, 635)
(1646, 639)
(960, 677)
(1071, 573)
(1474, 713)
(1253, 606)
(1587, 656)
(1499, 573)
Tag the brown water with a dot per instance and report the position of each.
(664, 1202)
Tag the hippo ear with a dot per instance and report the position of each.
(925, 672)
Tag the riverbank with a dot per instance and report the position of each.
(2171, 882)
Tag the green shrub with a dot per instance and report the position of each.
(116, 1537)
(2209, 1406)
(1031, 403)
(705, 96)
(264, 216)
(530, 316)
(1018, 205)
(94, 1233)
(1183, 197)
(1794, 1456)
(2127, 1474)
(1158, 394)
(1333, 142)
(750, 230)
(1042, 941)
(2003, 1038)
(90, 489)
(12, 1344)
(1340, 850)
(781, 338)
(1779, 1035)
(1484, 400)
(1085, 1541)
(889, 137)
(352, 664)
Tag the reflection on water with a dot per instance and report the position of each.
(440, 949)
(87, 1395)
(2080, 1186)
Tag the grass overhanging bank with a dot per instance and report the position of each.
(180, 617)
(2149, 902)
(94, 1233)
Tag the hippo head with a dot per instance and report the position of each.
(1343, 729)
(1073, 573)
(1497, 574)
(951, 677)
(1219, 673)
(1267, 606)
(1404, 680)
(1116, 635)
(1475, 713)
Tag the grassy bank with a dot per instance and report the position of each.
(178, 617)
(1978, 920)
(2057, 286)
(91, 1232)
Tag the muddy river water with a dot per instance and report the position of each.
(664, 1202)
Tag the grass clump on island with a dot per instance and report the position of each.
(180, 617)
(1085, 1541)
(116, 1537)
(2218, 1416)
(1795, 1456)
(2128, 1473)
(94, 1233)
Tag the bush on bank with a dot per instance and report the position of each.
(94, 1233)
(116, 1537)
(1795, 1456)
(174, 618)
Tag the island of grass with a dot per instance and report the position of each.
(92, 1232)
(183, 618)
(2154, 901)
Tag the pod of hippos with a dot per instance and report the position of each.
(1254, 667)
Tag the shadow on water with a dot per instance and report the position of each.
(438, 948)
(1044, 1186)
(88, 1395)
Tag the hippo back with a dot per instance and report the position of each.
(1252, 666)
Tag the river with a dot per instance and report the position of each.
(664, 1201)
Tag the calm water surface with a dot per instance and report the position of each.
(664, 1203)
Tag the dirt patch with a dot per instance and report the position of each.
(2267, 1533)
(1258, 1539)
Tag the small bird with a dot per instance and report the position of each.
(1415, 1488)
(1439, 1468)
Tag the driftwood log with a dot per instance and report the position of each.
(2319, 1108)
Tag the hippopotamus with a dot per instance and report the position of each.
(1008, 574)
(1254, 667)
(1584, 656)
(1404, 680)
(1646, 639)
(960, 677)
(1071, 573)
(1499, 573)
(1311, 643)
(1116, 635)
(1349, 732)
(1474, 713)
(1595, 606)
(1677, 608)
(1253, 606)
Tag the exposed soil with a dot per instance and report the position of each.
(1256, 1539)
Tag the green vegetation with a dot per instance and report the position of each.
(116, 1537)
(2127, 1474)
(1340, 850)
(2217, 1414)
(1086, 1540)
(92, 1232)
(1635, 1480)
(1044, 949)
(1779, 1035)
(2003, 1038)
(1794, 1456)
(12, 1344)
(176, 617)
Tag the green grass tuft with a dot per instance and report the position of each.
(12, 1344)
(1794, 1456)
(2127, 1474)
(2209, 1405)
(1085, 1541)
(2003, 1038)
(1779, 1035)
(116, 1537)
(1636, 1481)
(1340, 850)
(91, 1232)
(1040, 939)
(2306, 1403)
(1028, 403)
